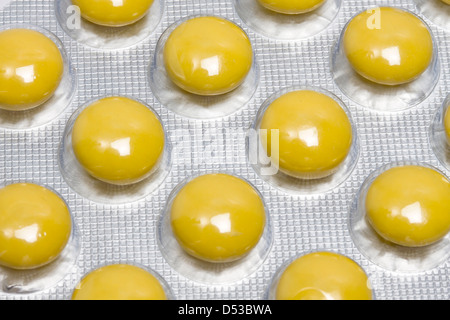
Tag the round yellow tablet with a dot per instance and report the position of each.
(291, 6)
(446, 1)
(388, 46)
(201, 62)
(31, 69)
(118, 140)
(323, 276)
(315, 134)
(217, 217)
(113, 13)
(119, 282)
(35, 226)
(447, 124)
(409, 205)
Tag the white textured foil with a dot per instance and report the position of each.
(113, 233)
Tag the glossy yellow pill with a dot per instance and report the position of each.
(119, 282)
(315, 134)
(118, 140)
(31, 69)
(409, 205)
(388, 46)
(446, 1)
(447, 124)
(217, 217)
(291, 6)
(200, 61)
(35, 226)
(323, 276)
(113, 13)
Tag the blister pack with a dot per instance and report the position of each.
(389, 126)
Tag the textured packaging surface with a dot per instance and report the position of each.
(301, 223)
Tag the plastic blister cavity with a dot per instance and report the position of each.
(435, 10)
(438, 137)
(14, 281)
(164, 284)
(271, 290)
(103, 37)
(386, 254)
(271, 173)
(381, 97)
(287, 26)
(193, 105)
(103, 192)
(58, 102)
(204, 271)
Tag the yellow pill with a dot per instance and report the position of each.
(409, 205)
(118, 140)
(113, 13)
(315, 134)
(446, 1)
(217, 218)
(323, 276)
(119, 282)
(201, 62)
(35, 226)
(31, 69)
(291, 6)
(447, 124)
(388, 46)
